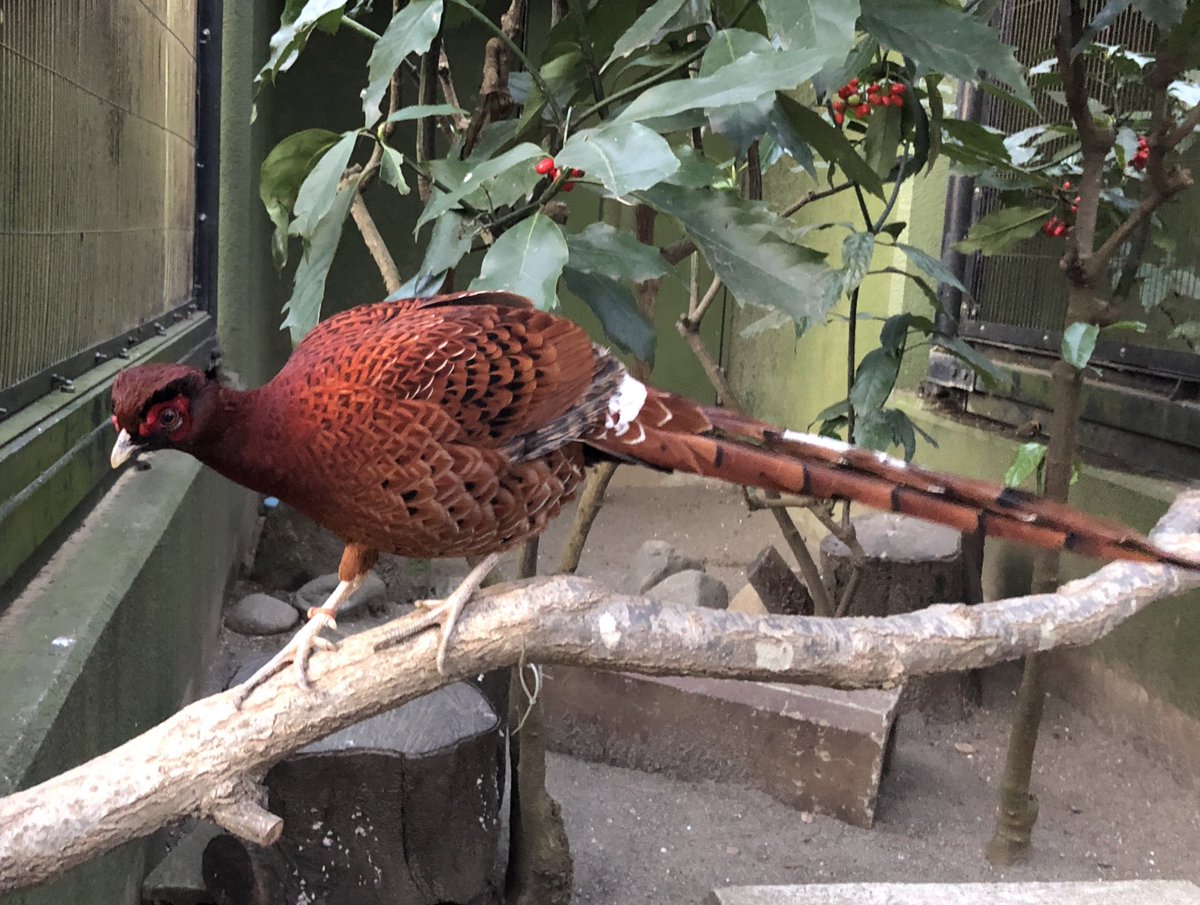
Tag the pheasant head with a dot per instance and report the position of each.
(160, 406)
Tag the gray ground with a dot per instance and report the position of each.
(1112, 807)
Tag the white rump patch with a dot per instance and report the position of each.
(625, 405)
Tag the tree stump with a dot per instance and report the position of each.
(910, 564)
(401, 809)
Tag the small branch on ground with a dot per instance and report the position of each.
(169, 772)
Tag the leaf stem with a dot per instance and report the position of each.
(356, 26)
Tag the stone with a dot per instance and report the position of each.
(293, 549)
(177, 879)
(910, 565)
(1107, 892)
(654, 561)
(747, 601)
(368, 597)
(815, 749)
(691, 587)
(368, 811)
(777, 585)
(260, 614)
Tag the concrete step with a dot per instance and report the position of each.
(1129, 892)
(816, 749)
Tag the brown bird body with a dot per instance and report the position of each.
(457, 426)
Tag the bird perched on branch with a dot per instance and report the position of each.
(458, 426)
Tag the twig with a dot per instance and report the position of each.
(590, 502)
(801, 202)
(169, 771)
(375, 244)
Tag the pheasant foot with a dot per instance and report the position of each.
(443, 613)
(300, 649)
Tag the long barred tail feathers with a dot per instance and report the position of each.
(668, 432)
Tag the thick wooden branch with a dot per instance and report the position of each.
(205, 759)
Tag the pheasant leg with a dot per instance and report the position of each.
(304, 642)
(443, 613)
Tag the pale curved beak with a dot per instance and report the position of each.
(122, 450)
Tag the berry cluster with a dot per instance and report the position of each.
(546, 167)
(888, 94)
(1057, 227)
(1138, 160)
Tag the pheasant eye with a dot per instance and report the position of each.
(169, 419)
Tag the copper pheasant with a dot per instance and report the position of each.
(459, 425)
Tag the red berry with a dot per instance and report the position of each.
(845, 91)
(544, 166)
(1048, 226)
(853, 83)
(1066, 185)
(862, 111)
(578, 173)
(897, 88)
(1074, 208)
(876, 101)
(839, 105)
(1075, 200)
(568, 186)
(839, 117)
(1059, 230)
(873, 88)
(854, 100)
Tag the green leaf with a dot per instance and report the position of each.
(874, 380)
(450, 240)
(282, 174)
(857, 249)
(1078, 344)
(627, 157)
(893, 336)
(476, 175)
(1135, 326)
(742, 81)
(839, 409)
(944, 38)
(389, 169)
(604, 249)
(812, 23)
(882, 142)
(308, 287)
(742, 242)
(742, 123)
(1026, 463)
(614, 305)
(830, 143)
(420, 111)
(771, 321)
(932, 266)
(411, 30)
(884, 428)
(299, 19)
(317, 192)
(696, 171)
(527, 260)
(650, 25)
(1003, 229)
(1164, 13)
(988, 371)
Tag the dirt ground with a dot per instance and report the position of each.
(1112, 807)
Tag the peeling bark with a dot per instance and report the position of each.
(204, 759)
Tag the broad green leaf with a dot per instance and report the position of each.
(1078, 344)
(988, 371)
(419, 286)
(944, 38)
(742, 81)
(299, 19)
(450, 240)
(527, 260)
(874, 380)
(972, 143)
(317, 192)
(893, 336)
(857, 249)
(614, 305)
(830, 143)
(883, 428)
(420, 111)
(411, 30)
(1135, 326)
(772, 321)
(838, 409)
(932, 266)
(626, 157)
(390, 171)
(606, 250)
(741, 123)
(281, 176)
(1163, 13)
(697, 171)
(812, 23)
(308, 287)
(1026, 463)
(741, 240)
(649, 27)
(1003, 229)
(476, 176)
(882, 142)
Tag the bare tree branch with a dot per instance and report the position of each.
(203, 759)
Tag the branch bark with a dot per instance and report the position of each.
(172, 770)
